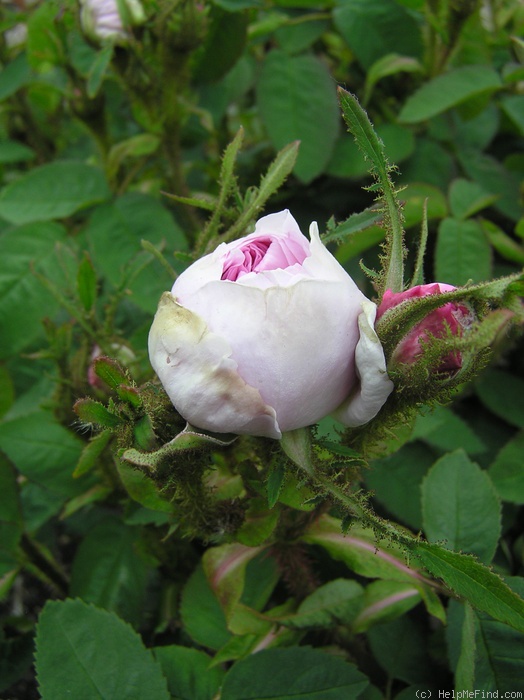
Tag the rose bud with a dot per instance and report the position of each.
(452, 318)
(260, 337)
(109, 19)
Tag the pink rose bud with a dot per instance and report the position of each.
(452, 317)
(269, 334)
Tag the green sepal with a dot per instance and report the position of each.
(91, 453)
(86, 283)
(188, 439)
(110, 372)
(94, 413)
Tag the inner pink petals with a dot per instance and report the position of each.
(261, 254)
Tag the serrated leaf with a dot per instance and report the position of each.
(374, 28)
(53, 191)
(474, 582)
(202, 616)
(22, 296)
(43, 451)
(463, 252)
(188, 674)
(284, 99)
(108, 572)
(355, 223)
(362, 129)
(69, 659)
(293, 674)
(448, 90)
(460, 506)
(360, 551)
(507, 473)
(274, 484)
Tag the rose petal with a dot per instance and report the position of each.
(199, 376)
(375, 385)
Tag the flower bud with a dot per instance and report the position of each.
(269, 334)
(109, 19)
(450, 319)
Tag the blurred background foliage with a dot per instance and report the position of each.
(96, 135)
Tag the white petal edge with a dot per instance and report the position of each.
(198, 374)
(375, 385)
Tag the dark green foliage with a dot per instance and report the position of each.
(141, 557)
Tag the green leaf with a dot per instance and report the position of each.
(44, 43)
(202, 616)
(400, 647)
(375, 28)
(502, 392)
(23, 299)
(285, 87)
(445, 430)
(223, 44)
(108, 572)
(293, 674)
(43, 451)
(134, 147)
(474, 582)
(360, 551)
(86, 283)
(506, 471)
(465, 672)
(499, 663)
(92, 452)
(372, 147)
(11, 523)
(349, 161)
(14, 76)
(463, 252)
(396, 481)
(225, 568)
(142, 489)
(7, 391)
(385, 601)
(188, 674)
(448, 90)
(53, 191)
(513, 106)
(98, 70)
(114, 234)
(504, 245)
(91, 654)
(15, 152)
(387, 65)
(337, 602)
(356, 223)
(461, 507)
(467, 198)
(494, 178)
(95, 413)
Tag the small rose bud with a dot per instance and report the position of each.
(110, 19)
(269, 334)
(450, 318)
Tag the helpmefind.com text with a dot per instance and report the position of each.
(468, 695)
